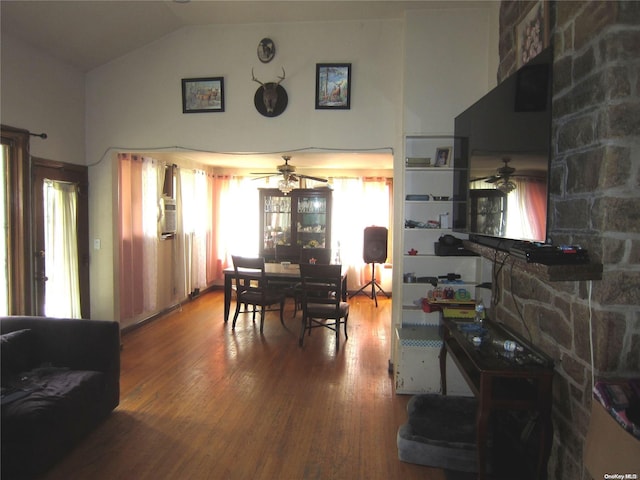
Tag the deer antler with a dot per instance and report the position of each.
(269, 92)
(255, 79)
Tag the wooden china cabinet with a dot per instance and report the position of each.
(301, 217)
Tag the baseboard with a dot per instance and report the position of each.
(169, 309)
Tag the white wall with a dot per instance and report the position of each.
(135, 102)
(447, 66)
(41, 94)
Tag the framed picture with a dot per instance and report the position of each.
(532, 32)
(266, 50)
(442, 156)
(202, 95)
(333, 86)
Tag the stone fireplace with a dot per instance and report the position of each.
(594, 202)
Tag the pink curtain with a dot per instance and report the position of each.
(371, 198)
(230, 226)
(216, 260)
(131, 235)
(536, 200)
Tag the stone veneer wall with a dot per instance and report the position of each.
(594, 202)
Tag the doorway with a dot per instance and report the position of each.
(22, 249)
(61, 239)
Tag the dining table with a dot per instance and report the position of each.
(273, 271)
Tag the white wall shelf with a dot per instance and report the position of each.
(417, 368)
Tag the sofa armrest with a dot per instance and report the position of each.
(74, 343)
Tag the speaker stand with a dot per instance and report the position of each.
(374, 285)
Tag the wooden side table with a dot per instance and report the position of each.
(499, 379)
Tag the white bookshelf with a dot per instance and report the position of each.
(427, 193)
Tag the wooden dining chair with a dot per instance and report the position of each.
(252, 289)
(320, 256)
(322, 305)
(288, 253)
(316, 255)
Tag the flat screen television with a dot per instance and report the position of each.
(501, 160)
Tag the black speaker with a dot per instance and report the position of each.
(375, 245)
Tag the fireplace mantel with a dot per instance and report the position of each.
(550, 273)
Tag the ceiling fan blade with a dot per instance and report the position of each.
(288, 172)
(317, 179)
(265, 176)
(492, 179)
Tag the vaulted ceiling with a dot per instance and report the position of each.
(89, 33)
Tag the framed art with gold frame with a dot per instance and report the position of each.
(532, 32)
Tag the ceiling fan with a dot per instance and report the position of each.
(502, 178)
(502, 173)
(290, 179)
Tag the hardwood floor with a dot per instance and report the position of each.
(200, 401)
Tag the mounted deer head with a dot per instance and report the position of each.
(270, 93)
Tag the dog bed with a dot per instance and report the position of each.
(440, 432)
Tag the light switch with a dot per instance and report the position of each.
(96, 244)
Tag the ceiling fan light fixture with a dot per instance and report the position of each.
(287, 184)
(505, 185)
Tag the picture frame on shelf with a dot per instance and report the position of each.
(443, 155)
(333, 86)
(532, 32)
(203, 95)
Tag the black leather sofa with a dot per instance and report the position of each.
(60, 379)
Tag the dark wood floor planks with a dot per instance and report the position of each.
(200, 401)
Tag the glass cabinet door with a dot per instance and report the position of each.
(311, 221)
(276, 226)
(302, 218)
(488, 211)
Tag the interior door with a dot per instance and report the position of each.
(63, 172)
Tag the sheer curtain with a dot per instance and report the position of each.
(358, 203)
(217, 216)
(240, 218)
(536, 199)
(235, 221)
(140, 179)
(194, 227)
(152, 178)
(530, 196)
(215, 264)
(62, 293)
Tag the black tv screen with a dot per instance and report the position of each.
(501, 157)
